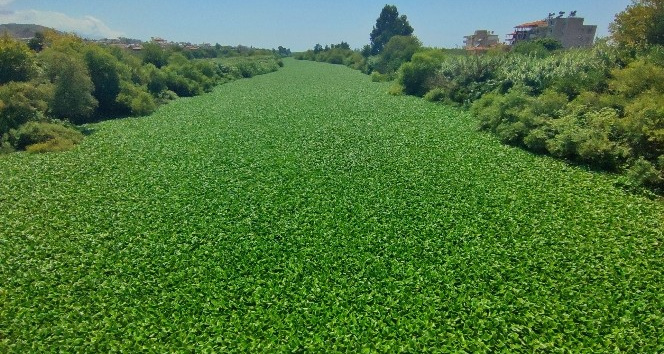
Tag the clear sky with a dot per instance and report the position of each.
(295, 24)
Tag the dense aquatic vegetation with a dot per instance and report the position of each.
(307, 210)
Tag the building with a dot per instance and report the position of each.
(480, 41)
(569, 31)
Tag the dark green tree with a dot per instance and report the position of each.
(398, 50)
(72, 97)
(36, 43)
(105, 75)
(155, 55)
(388, 25)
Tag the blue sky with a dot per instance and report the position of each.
(296, 24)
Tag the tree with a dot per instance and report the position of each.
(388, 25)
(398, 50)
(155, 55)
(105, 75)
(72, 97)
(17, 62)
(37, 42)
(640, 25)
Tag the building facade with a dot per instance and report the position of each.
(481, 40)
(570, 31)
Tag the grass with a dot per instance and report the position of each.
(307, 210)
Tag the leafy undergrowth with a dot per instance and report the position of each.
(308, 210)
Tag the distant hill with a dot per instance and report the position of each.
(22, 30)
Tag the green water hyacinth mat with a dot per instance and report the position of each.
(308, 210)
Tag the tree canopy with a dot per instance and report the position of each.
(388, 25)
(640, 25)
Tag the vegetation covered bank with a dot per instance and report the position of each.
(57, 81)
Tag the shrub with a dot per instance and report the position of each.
(416, 77)
(378, 77)
(21, 102)
(638, 77)
(50, 135)
(643, 124)
(643, 173)
(438, 94)
(136, 100)
(598, 142)
(157, 80)
(182, 86)
(154, 54)
(399, 50)
(53, 145)
(466, 79)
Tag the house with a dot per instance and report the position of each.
(480, 41)
(158, 40)
(570, 31)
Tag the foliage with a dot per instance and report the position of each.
(105, 74)
(17, 62)
(154, 54)
(571, 107)
(308, 211)
(72, 96)
(399, 50)
(415, 76)
(21, 102)
(37, 42)
(540, 48)
(78, 81)
(640, 25)
(335, 54)
(44, 137)
(388, 25)
(136, 100)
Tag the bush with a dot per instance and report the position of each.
(23, 102)
(643, 124)
(506, 115)
(638, 77)
(598, 140)
(399, 50)
(437, 94)
(136, 100)
(378, 77)
(417, 76)
(643, 173)
(42, 136)
(539, 48)
(53, 145)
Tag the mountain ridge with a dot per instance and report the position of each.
(20, 30)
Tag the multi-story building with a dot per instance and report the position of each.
(481, 40)
(569, 31)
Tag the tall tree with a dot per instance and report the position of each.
(640, 25)
(72, 97)
(388, 25)
(17, 62)
(105, 74)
